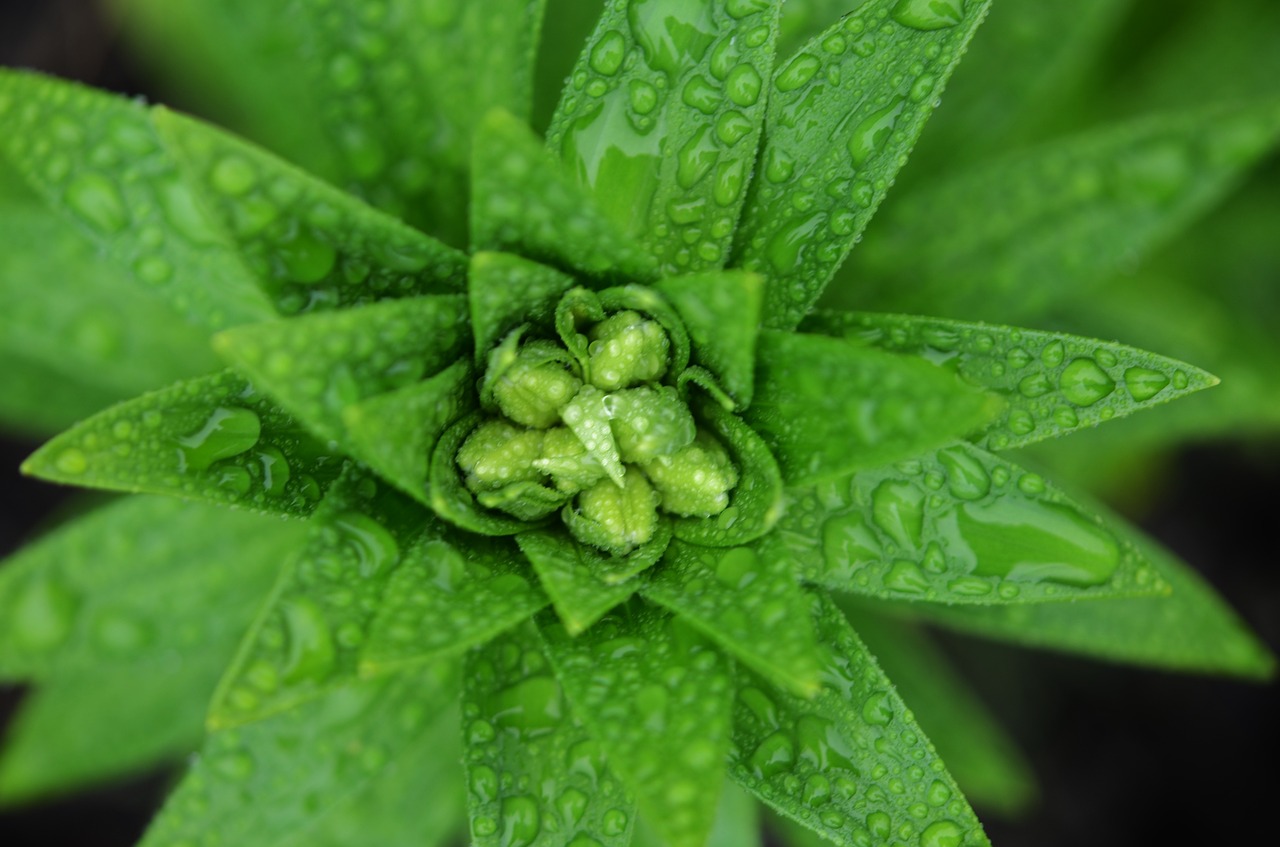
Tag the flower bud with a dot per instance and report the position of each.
(627, 349)
(533, 388)
(497, 454)
(567, 462)
(649, 422)
(696, 480)
(616, 519)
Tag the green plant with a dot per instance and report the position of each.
(647, 278)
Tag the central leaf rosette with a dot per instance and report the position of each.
(593, 421)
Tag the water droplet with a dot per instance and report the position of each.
(43, 614)
(233, 175)
(898, 509)
(732, 127)
(572, 805)
(743, 85)
(71, 461)
(966, 477)
(696, 158)
(701, 95)
(614, 823)
(942, 834)
(1144, 383)
(877, 709)
(532, 706)
(97, 200)
(153, 270)
(775, 755)
(673, 34)
(521, 821)
(644, 97)
(731, 176)
(306, 259)
(375, 548)
(1035, 385)
(738, 568)
(225, 433)
(608, 53)
(311, 650)
(906, 577)
(1032, 540)
(874, 130)
(1084, 383)
(798, 71)
(929, 15)
(1053, 354)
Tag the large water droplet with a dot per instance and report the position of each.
(1144, 383)
(311, 651)
(672, 33)
(874, 130)
(97, 200)
(532, 706)
(374, 546)
(966, 477)
(798, 71)
(521, 821)
(929, 15)
(942, 834)
(225, 433)
(1084, 383)
(608, 53)
(1031, 540)
(775, 755)
(743, 85)
(898, 509)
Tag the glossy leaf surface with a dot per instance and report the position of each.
(505, 291)
(721, 311)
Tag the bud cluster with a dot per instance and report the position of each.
(597, 436)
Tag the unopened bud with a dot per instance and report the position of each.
(694, 481)
(627, 349)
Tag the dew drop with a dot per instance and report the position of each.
(225, 433)
(874, 130)
(798, 71)
(234, 176)
(1144, 383)
(71, 461)
(1032, 541)
(521, 821)
(311, 650)
(929, 15)
(98, 202)
(941, 834)
(1084, 383)
(898, 509)
(743, 85)
(375, 548)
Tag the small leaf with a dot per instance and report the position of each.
(450, 593)
(1018, 236)
(961, 526)
(748, 602)
(984, 760)
(96, 159)
(585, 583)
(1054, 383)
(887, 407)
(213, 439)
(318, 365)
(308, 635)
(91, 727)
(843, 114)
(1192, 630)
(310, 245)
(276, 783)
(506, 291)
(536, 777)
(656, 696)
(522, 202)
(721, 311)
(851, 764)
(663, 118)
(395, 433)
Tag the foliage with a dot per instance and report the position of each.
(566, 432)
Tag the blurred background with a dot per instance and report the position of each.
(1122, 756)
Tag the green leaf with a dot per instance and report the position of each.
(737, 823)
(755, 504)
(276, 783)
(656, 696)
(451, 592)
(748, 602)
(843, 114)
(1053, 383)
(522, 202)
(662, 121)
(1192, 630)
(804, 19)
(983, 759)
(319, 364)
(850, 764)
(583, 582)
(97, 160)
(308, 635)
(394, 433)
(309, 245)
(721, 311)
(1016, 237)
(39, 400)
(962, 526)
(506, 291)
(64, 310)
(122, 587)
(90, 727)
(213, 439)
(536, 777)
(887, 407)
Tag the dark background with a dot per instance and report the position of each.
(1125, 757)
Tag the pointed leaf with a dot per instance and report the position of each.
(656, 696)
(984, 760)
(71, 143)
(73, 732)
(310, 245)
(851, 764)
(887, 407)
(64, 309)
(1192, 630)
(748, 602)
(213, 439)
(961, 526)
(276, 783)
(505, 291)
(1018, 236)
(451, 592)
(121, 586)
(522, 202)
(1053, 383)
(843, 114)
(308, 635)
(395, 433)
(317, 365)
(722, 313)
(663, 118)
(536, 777)
(585, 583)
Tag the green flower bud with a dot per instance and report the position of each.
(527, 501)
(694, 481)
(498, 454)
(649, 422)
(567, 462)
(532, 389)
(627, 349)
(615, 519)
